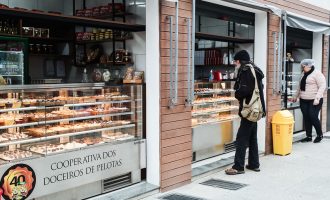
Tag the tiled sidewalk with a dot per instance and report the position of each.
(303, 175)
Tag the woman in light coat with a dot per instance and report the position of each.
(310, 92)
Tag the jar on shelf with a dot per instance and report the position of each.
(45, 49)
(97, 75)
(88, 12)
(37, 48)
(31, 48)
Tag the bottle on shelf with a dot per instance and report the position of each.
(84, 77)
(211, 76)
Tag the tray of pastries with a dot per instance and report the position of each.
(4, 137)
(49, 130)
(90, 140)
(15, 154)
(55, 148)
(117, 135)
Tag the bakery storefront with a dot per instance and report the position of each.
(222, 29)
(72, 97)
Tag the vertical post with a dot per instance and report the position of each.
(279, 56)
(189, 66)
(176, 50)
(193, 49)
(74, 7)
(171, 102)
(284, 49)
(274, 63)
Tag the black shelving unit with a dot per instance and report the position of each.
(109, 18)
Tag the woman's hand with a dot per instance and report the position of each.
(316, 102)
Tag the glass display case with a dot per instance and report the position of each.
(214, 118)
(293, 76)
(41, 120)
(12, 62)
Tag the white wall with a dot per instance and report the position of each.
(320, 3)
(317, 50)
(153, 92)
(260, 59)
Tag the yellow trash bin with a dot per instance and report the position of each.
(282, 125)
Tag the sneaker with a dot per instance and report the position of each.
(318, 139)
(306, 139)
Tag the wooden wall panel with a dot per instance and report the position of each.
(176, 144)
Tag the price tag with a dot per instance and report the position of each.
(12, 147)
(64, 140)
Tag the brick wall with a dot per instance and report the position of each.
(325, 72)
(176, 142)
(274, 102)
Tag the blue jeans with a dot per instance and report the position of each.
(246, 138)
(311, 116)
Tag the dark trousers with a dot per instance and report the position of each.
(311, 116)
(246, 138)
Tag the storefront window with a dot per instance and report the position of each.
(215, 117)
(72, 97)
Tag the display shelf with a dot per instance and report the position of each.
(73, 20)
(214, 92)
(101, 41)
(55, 39)
(7, 75)
(201, 113)
(215, 48)
(11, 52)
(49, 55)
(40, 139)
(207, 36)
(105, 65)
(213, 102)
(66, 120)
(50, 39)
(65, 105)
(109, 16)
(222, 65)
(212, 82)
(215, 122)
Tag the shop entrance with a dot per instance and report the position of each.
(220, 33)
(299, 46)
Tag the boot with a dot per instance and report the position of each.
(306, 139)
(318, 139)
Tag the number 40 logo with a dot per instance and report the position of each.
(18, 182)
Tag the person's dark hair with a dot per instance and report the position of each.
(242, 56)
(244, 62)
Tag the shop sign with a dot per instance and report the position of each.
(42, 176)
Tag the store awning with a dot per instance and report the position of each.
(305, 23)
(250, 4)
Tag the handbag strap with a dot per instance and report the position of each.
(255, 77)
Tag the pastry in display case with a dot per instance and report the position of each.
(37, 120)
(214, 102)
(215, 118)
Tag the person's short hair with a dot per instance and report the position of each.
(307, 62)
